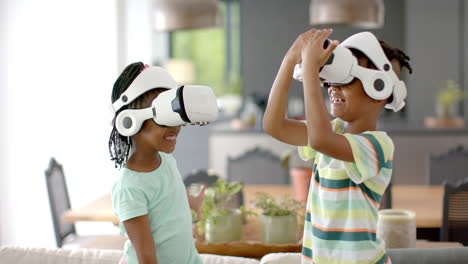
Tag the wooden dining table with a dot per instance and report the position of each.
(424, 200)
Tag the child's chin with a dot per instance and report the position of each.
(168, 150)
(336, 114)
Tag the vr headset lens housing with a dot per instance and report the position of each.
(189, 104)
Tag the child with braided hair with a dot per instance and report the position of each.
(149, 196)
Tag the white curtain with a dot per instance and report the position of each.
(57, 67)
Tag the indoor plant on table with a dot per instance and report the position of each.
(221, 215)
(448, 99)
(278, 219)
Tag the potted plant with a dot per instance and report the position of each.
(219, 220)
(447, 100)
(278, 219)
(300, 172)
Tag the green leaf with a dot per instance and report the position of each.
(270, 207)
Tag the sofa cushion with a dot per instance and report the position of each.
(281, 258)
(30, 255)
(428, 255)
(217, 259)
(455, 255)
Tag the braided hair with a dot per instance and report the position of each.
(120, 146)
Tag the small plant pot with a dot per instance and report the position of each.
(301, 181)
(279, 229)
(446, 111)
(225, 228)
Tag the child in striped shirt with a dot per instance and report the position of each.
(352, 160)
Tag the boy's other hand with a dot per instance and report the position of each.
(195, 201)
(295, 51)
(313, 51)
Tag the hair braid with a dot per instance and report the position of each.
(119, 146)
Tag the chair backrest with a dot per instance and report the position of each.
(257, 166)
(455, 212)
(200, 176)
(59, 201)
(451, 166)
(209, 178)
(386, 202)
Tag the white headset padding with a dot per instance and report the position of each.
(368, 44)
(148, 79)
(377, 84)
(339, 70)
(164, 114)
(128, 122)
(202, 106)
(399, 95)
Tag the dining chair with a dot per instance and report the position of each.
(193, 181)
(386, 202)
(455, 212)
(257, 166)
(65, 233)
(450, 166)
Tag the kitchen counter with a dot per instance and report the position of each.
(394, 127)
(413, 145)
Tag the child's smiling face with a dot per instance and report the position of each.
(350, 102)
(159, 138)
(153, 136)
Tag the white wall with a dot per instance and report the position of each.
(3, 19)
(60, 61)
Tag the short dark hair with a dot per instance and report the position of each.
(390, 52)
(396, 53)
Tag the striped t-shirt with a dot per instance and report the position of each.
(344, 197)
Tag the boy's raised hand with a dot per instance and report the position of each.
(312, 49)
(195, 202)
(295, 51)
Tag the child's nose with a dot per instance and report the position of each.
(176, 128)
(333, 89)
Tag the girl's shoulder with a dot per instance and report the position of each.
(167, 157)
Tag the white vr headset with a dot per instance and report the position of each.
(342, 67)
(179, 105)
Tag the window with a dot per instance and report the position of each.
(214, 52)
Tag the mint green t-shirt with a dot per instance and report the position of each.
(161, 195)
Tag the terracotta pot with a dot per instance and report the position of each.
(301, 181)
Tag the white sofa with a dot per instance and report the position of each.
(25, 255)
(29, 255)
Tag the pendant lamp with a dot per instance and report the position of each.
(170, 15)
(368, 14)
